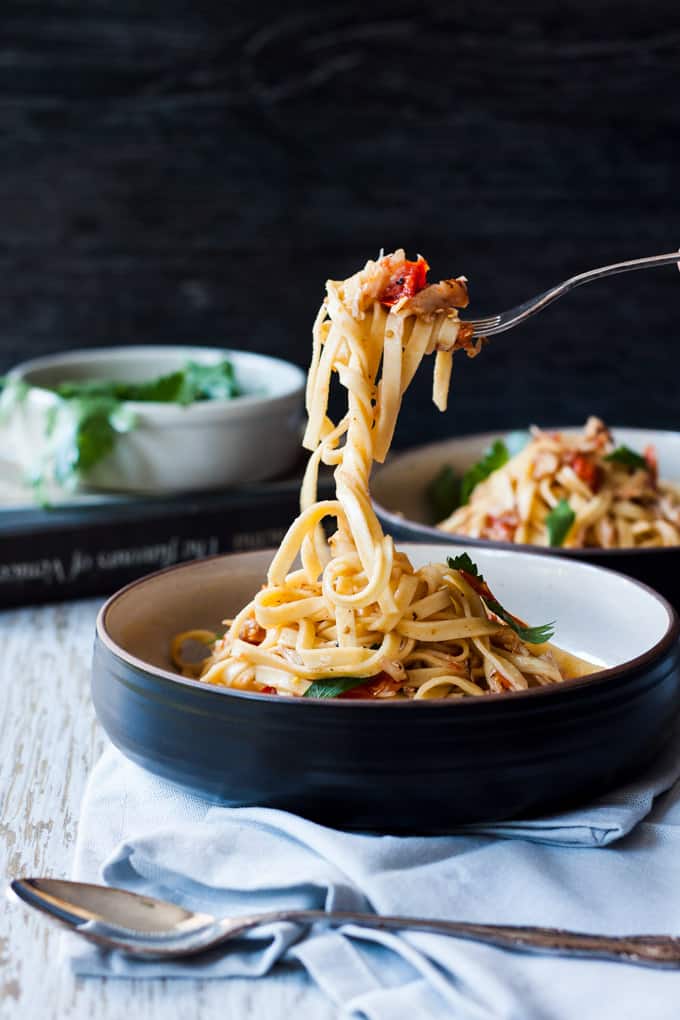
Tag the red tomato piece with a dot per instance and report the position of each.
(406, 279)
(587, 471)
(502, 527)
(268, 690)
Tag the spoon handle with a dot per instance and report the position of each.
(646, 950)
(153, 929)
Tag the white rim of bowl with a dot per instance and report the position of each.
(247, 405)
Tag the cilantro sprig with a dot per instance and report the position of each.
(470, 572)
(191, 383)
(558, 522)
(446, 492)
(628, 458)
(495, 457)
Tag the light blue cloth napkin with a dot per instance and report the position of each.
(613, 866)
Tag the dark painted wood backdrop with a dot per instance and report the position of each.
(193, 170)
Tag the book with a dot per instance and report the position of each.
(95, 544)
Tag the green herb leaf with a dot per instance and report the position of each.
(82, 436)
(629, 458)
(209, 382)
(443, 494)
(558, 522)
(192, 382)
(333, 686)
(463, 562)
(532, 635)
(165, 389)
(495, 457)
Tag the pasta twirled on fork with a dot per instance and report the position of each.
(350, 616)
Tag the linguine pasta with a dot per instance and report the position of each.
(600, 495)
(349, 615)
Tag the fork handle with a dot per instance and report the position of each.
(545, 299)
(624, 267)
(645, 950)
(501, 323)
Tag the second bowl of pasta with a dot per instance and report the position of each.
(608, 496)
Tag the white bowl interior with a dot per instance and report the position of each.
(600, 615)
(256, 374)
(399, 487)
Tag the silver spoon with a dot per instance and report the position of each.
(156, 930)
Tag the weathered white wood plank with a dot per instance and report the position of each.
(49, 740)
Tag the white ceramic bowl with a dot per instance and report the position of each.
(205, 445)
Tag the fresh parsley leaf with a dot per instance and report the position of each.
(332, 686)
(165, 389)
(629, 458)
(443, 493)
(209, 382)
(463, 562)
(446, 492)
(558, 522)
(82, 435)
(532, 635)
(190, 383)
(495, 457)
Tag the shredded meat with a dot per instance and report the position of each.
(507, 639)
(252, 632)
(440, 297)
(545, 464)
(465, 342)
(596, 435)
(670, 511)
(637, 486)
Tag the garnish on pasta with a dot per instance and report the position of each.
(575, 491)
(468, 569)
(349, 616)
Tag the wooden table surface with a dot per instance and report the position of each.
(49, 740)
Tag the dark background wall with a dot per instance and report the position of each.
(193, 171)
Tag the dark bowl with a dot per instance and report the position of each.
(400, 501)
(400, 767)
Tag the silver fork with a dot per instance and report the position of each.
(506, 320)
